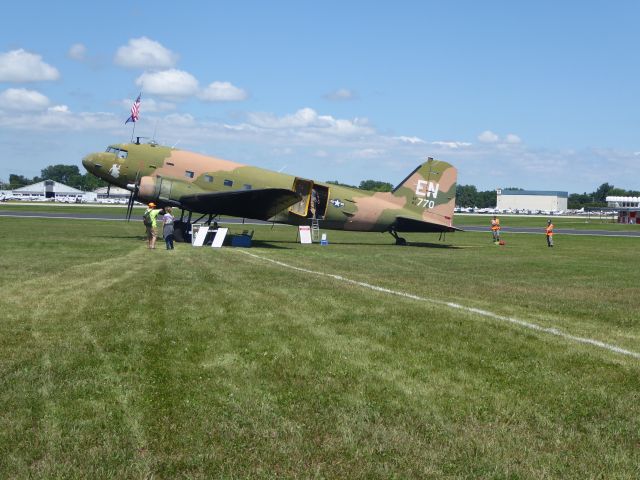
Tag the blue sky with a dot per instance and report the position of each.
(540, 95)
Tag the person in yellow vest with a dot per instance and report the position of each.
(149, 218)
(549, 231)
(495, 229)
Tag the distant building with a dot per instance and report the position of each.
(628, 208)
(113, 192)
(531, 200)
(47, 189)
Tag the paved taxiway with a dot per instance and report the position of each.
(557, 231)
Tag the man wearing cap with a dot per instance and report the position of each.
(495, 229)
(149, 218)
(549, 231)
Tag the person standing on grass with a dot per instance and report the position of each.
(549, 231)
(495, 229)
(149, 218)
(167, 227)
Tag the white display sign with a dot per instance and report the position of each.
(305, 234)
(201, 234)
(218, 240)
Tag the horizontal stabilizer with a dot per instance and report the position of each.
(259, 204)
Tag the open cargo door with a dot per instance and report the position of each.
(303, 188)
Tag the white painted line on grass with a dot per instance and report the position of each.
(484, 313)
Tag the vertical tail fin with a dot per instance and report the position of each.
(430, 191)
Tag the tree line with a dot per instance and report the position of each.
(466, 195)
(68, 174)
(371, 185)
(469, 196)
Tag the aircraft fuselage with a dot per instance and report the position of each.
(168, 176)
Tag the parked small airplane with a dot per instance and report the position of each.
(423, 202)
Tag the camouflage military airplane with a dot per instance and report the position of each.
(423, 202)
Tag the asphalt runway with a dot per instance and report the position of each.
(112, 217)
(558, 231)
(106, 216)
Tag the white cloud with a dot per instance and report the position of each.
(145, 53)
(179, 120)
(223, 92)
(452, 145)
(341, 94)
(302, 118)
(148, 105)
(23, 100)
(323, 148)
(513, 139)
(282, 151)
(59, 118)
(411, 140)
(22, 66)
(368, 153)
(169, 83)
(308, 118)
(488, 137)
(77, 51)
(59, 109)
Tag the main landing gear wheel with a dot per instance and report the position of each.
(399, 240)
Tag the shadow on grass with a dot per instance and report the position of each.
(270, 244)
(432, 245)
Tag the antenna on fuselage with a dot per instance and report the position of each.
(155, 129)
(430, 159)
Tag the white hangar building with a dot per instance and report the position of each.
(531, 200)
(113, 192)
(628, 208)
(47, 189)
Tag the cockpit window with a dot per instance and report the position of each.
(119, 153)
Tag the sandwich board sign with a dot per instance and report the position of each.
(305, 233)
(218, 240)
(201, 234)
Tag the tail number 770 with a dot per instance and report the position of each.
(426, 203)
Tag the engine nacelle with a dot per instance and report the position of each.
(148, 189)
(158, 190)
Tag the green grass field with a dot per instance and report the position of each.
(121, 362)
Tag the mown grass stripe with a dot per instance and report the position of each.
(514, 321)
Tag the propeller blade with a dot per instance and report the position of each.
(130, 206)
(132, 197)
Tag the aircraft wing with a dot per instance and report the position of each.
(406, 224)
(260, 204)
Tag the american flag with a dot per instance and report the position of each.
(135, 110)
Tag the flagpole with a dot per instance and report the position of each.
(135, 112)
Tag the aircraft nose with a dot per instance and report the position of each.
(91, 163)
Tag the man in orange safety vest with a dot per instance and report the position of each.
(495, 229)
(549, 231)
